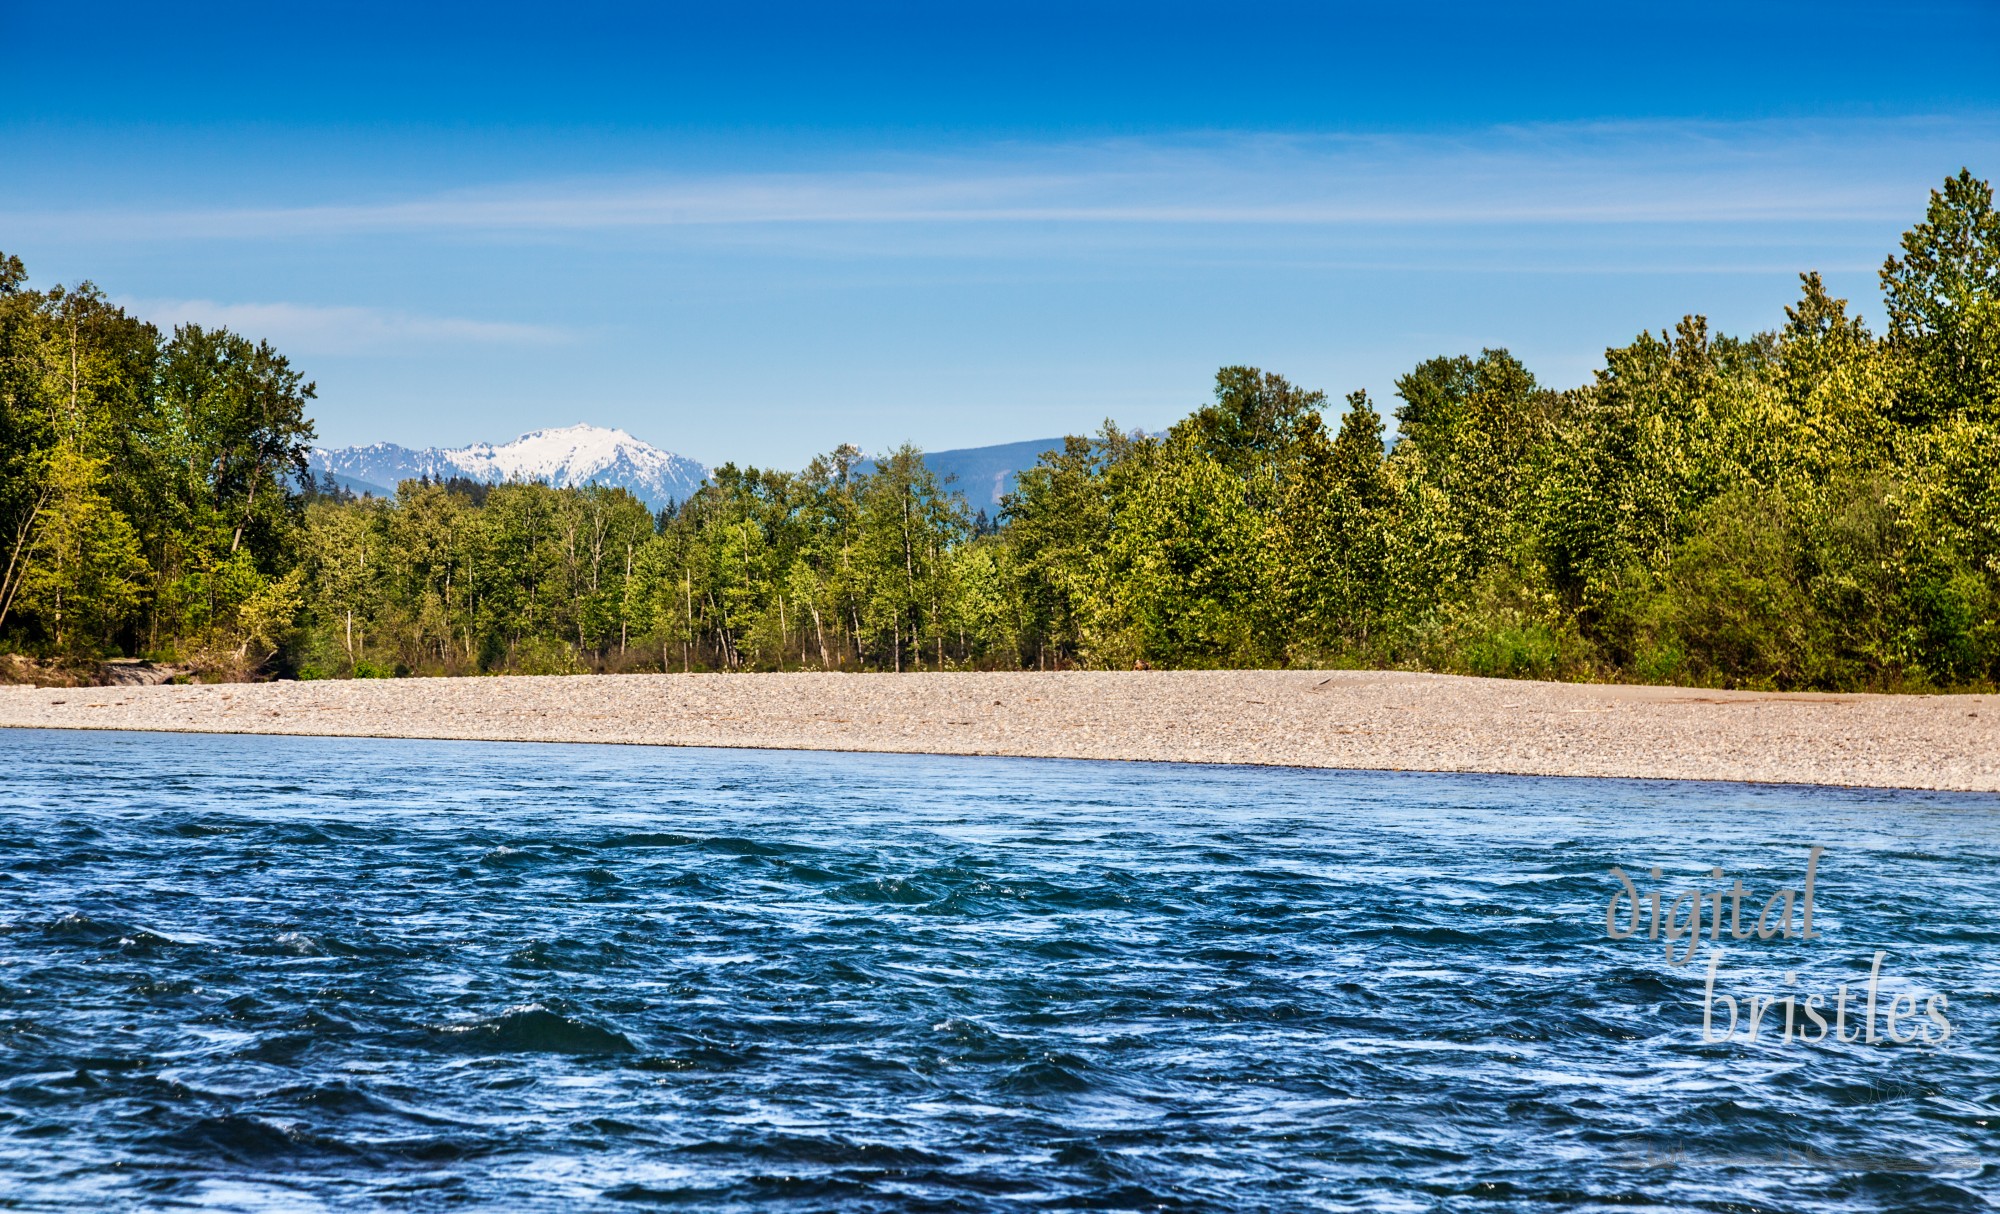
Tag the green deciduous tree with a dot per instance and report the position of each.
(1943, 299)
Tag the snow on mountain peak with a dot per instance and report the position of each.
(562, 456)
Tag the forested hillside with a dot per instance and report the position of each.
(1813, 507)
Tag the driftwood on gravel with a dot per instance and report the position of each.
(138, 672)
(116, 672)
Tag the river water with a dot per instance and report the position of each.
(287, 973)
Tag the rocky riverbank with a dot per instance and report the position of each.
(1348, 719)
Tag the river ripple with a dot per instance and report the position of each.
(279, 973)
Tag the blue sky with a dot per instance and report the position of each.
(754, 231)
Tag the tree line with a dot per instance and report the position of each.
(1813, 507)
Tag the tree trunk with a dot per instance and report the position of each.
(825, 660)
(249, 503)
(17, 573)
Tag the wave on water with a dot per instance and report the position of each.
(770, 981)
(534, 1028)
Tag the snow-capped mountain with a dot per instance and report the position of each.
(571, 455)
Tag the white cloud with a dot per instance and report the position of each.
(310, 329)
(1603, 174)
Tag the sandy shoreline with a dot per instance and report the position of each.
(1349, 719)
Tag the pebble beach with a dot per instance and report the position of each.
(1347, 719)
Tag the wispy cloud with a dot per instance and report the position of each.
(311, 329)
(1770, 172)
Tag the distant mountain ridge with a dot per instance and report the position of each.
(983, 474)
(593, 455)
(568, 456)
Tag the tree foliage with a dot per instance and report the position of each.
(146, 482)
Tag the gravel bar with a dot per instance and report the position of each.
(1345, 719)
